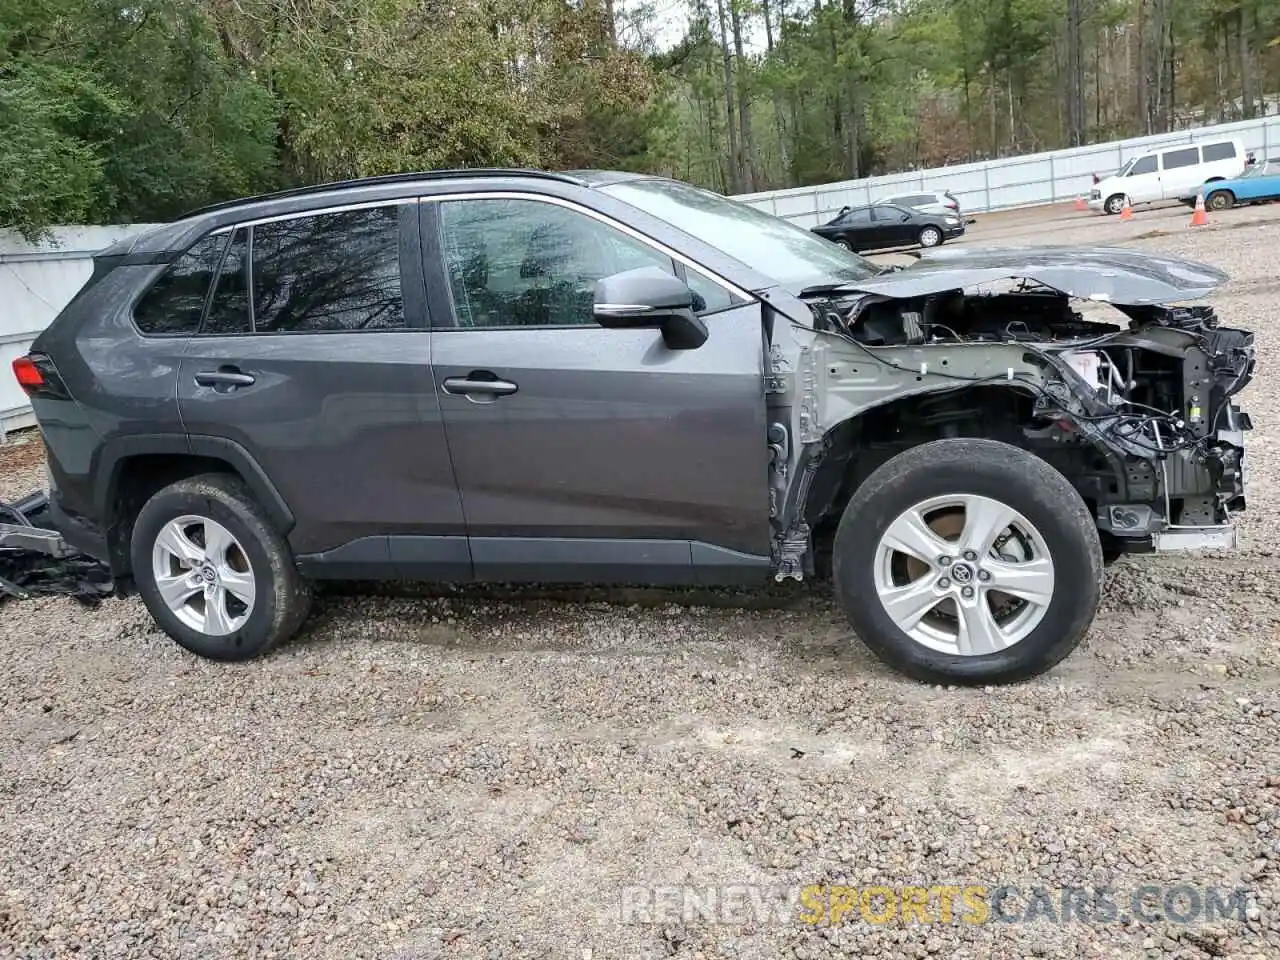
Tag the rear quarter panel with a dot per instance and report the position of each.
(120, 382)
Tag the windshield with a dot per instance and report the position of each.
(1125, 169)
(792, 255)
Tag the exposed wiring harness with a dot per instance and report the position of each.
(1138, 430)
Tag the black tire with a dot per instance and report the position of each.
(282, 598)
(1220, 200)
(990, 469)
(930, 237)
(1114, 204)
(846, 244)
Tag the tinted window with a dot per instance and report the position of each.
(1144, 165)
(532, 264)
(229, 308)
(861, 215)
(1188, 157)
(1219, 151)
(174, 303)
(332, 271)
(918, 199)
(892, 213)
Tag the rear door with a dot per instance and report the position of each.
(858, 229)
(597, 454)
(315, 357)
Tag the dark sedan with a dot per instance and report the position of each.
(881, 225)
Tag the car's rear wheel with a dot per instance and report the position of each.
(213, 572)
(930, 236)
(1220, 200)
(1115, 203)
(845, 243)
(968, 561)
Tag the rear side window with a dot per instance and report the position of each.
(1187, 157)
(1219, 151)
(172, 306)
(329, 272)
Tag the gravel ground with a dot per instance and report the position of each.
(482, 777)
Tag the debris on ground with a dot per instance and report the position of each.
(28, 573)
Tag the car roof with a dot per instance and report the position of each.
(177, 235)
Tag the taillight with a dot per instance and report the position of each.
(37, 377)
(29, 376)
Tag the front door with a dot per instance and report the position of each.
(1142, 182)
(894, 225)
(585, 453)
(314, 357)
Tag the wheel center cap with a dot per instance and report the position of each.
(210, 575)
(961, 573)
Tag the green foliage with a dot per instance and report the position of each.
(125, 111)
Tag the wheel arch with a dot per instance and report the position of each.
(131, 469)
(851, 450)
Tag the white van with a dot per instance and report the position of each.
(1167, 174)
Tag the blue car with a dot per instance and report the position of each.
(1258, 184)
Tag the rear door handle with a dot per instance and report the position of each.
(462, 386)
(224, 378)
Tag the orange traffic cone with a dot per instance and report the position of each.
(1201, 217)
(1080, 204)
(1127, 212)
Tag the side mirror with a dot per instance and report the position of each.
(649, 297)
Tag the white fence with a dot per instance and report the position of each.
(1029, 180)
(37, 281)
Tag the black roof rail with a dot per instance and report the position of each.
(387, 178)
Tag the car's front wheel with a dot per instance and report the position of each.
(930, 237)
(968, 561)
(213, 572)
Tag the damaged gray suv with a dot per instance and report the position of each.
(608, 378)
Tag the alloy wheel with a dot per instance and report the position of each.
(964, 574)
(203, 575)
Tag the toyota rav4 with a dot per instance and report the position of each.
(610, 378)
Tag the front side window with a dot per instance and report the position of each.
(891, 213)
(1188, 157)
(173, 305)
(328, 272)
(1143, 165)
(525, 263)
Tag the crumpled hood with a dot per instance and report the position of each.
(1110, 274)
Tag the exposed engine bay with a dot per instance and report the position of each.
(1134, 406)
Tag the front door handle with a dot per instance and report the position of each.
(464, 386)
(224, 377)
